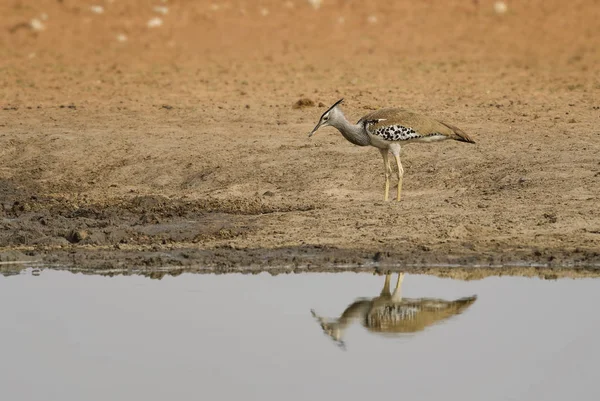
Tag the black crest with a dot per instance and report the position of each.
(335, 104)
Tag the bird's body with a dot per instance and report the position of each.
(394, 125)
(411, 315)
(390, 314)
(389, 128)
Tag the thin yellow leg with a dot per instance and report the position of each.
(388, 170)
(397, 295)
(400, 175)
(386, 286)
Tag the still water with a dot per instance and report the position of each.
(203, 337)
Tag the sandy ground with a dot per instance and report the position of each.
(123, 145)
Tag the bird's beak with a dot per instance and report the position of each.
(314, 129)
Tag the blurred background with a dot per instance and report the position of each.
(362, 40)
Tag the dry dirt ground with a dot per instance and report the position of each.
(124, 145)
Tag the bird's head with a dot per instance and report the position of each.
(328, 117)
(331, 329)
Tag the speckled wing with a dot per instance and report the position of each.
(396, 124)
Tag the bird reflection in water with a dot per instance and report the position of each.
(391, 314)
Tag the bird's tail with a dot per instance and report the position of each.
(458, 134)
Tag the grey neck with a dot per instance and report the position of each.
(356, 311)
(356, 134)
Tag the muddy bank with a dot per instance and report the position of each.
(172, 262)
(32, 220)
(157, 232)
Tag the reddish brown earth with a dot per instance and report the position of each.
(181, 146)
